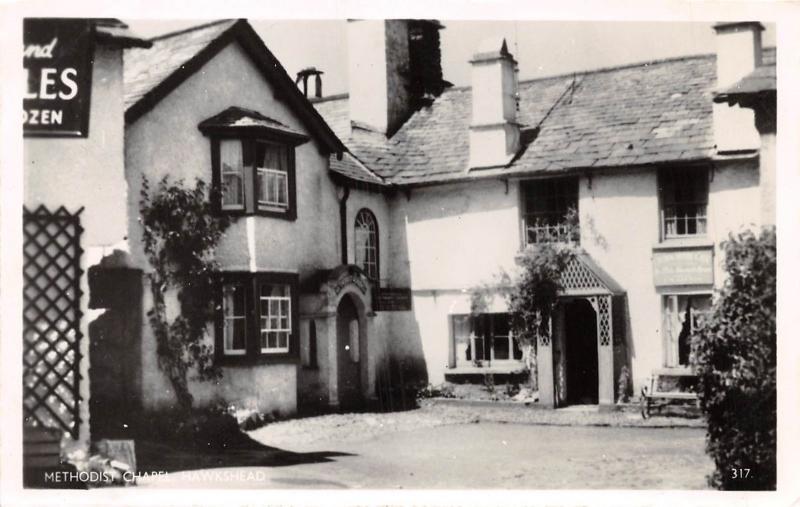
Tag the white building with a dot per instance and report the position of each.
(364, 222)
(658, 173)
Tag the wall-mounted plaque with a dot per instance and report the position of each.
(693, 266)
(393, 300)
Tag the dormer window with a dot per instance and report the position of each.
(253, 163)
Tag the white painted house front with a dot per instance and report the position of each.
(363, 223)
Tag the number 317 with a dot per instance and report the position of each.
(740, 473)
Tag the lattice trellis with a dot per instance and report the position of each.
(577, 276)
(51, 318)
(604, 320)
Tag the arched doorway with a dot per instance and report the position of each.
(348, 355)
(580, 342)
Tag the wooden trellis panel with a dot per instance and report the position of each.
(51, 318)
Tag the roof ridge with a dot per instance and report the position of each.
(190, 29)
(598, 70)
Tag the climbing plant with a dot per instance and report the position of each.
(180, 232)
(532, 294)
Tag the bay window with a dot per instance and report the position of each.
(257, 317)
(252, 163)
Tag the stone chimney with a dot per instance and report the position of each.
(377, 65)
(738, 54)
(494, 132)
(392, 64)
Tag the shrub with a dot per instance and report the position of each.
(736, 363)
(444, 390)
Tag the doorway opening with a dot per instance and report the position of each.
(348, 355)
(580, 332)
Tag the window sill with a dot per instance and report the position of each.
(258, 360)
(684, 243)
(498, 367)
(675, 371)
(288, 215)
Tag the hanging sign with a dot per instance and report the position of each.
(57, 58)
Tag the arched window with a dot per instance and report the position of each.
(366, 240)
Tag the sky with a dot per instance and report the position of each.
(542, 48)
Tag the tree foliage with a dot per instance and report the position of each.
(735, 359)
(180, 232)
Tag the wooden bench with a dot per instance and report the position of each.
(654, 398)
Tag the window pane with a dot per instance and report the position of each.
(239, 330)
(501, 348)
(366, 243)
(272, 175)
(232, 169)
(684, 196)
(547, 204)
(234, 320)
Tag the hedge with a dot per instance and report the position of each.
(735, 358)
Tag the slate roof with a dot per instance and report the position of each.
(151, 74)
(650, 113)
(147, 68)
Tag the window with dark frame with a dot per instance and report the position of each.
(254, 176)
(548, 206)
(684, 201)
(257, 316)
(366, 243)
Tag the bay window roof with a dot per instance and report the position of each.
(248, 122)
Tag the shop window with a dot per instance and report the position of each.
(257, 316)
(254, 176)
(550, 210)
(684, 202)
(366, 243)
(481, 340)
(683, 315)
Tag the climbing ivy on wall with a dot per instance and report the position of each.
(180, 232)
(532, 294)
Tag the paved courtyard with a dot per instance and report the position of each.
(443, 447)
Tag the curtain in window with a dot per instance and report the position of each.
(235, 320)
(272, 175)
(682, 317)
(232, 164)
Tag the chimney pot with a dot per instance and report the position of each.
(302, 77)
